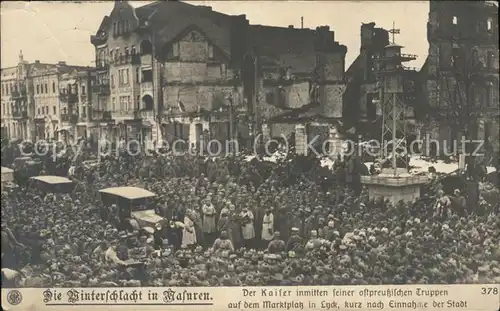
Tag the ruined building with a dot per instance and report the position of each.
(172, 70)
(362, 111)
(461, 71)
(359, 106)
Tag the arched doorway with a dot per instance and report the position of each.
(147, 102)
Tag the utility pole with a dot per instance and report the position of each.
(231, 123)
(160, 108)
(101, 112)
(254, 98)
(99, 119)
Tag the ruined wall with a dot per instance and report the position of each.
(469, 29)
(363, 104)
(193, 96)
(334, 64)
(331, 100)
(193, 59)
(297, 94)
(187, 72)
(270, 100)
(197, 76)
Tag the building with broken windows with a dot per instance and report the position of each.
(300, 87)
(461, 71)
(172, 70)
(361, 78)
(362, 109)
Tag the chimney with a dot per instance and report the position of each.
(239, 39)
(367, 32)
(63, 63)
(290, 26)
(37, 61)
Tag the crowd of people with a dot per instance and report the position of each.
(231, 223)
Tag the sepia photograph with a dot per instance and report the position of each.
(269, 146)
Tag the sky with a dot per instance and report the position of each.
(60, 31)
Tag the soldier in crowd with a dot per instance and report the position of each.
(319, 242)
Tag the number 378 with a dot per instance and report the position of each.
(489, 290)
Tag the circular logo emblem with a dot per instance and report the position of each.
(14, 297)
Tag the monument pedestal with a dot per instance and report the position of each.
(394, 187)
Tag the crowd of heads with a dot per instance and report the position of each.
(337, 236)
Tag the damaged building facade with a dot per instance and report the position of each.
(362, 110)
(171, 70)
(361, 78)
(461, 72)
(300, 87)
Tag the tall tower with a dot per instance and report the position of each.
(390, 75)
(394, 182)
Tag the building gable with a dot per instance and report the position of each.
(193, 36)
(173, 17)
(193, 45)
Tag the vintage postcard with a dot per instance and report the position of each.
(239, 155)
